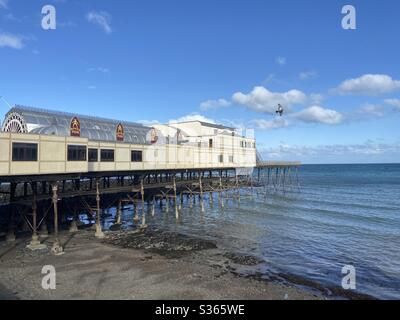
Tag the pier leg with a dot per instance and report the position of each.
(166, 203)
(136, 212)
(143, 224)
(190, 201)
(153, 207)
(211, 199)
(57, 249)
(142, 194)
(11, 234)
(118, 217)
(160, 202)
(11, 224)
(201, 194)
(73, 228)
(221, 199)
(99, 232)
(181, 201)
(251, 188)
(238, 190)
(35, 243)
(44, 232)
(175, 200)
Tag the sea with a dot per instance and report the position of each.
(335, 217)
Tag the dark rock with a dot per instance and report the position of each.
(169, 244)
(244, 260)
(115, 227)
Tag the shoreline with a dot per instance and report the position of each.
(145, 265)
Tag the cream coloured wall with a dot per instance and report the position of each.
(52, 154)
(4, 153)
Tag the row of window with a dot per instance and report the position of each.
(25, 152)
(245, 144)
(221, 158)
(29, 152)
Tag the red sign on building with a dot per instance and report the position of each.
(120, 132)
(75, 128)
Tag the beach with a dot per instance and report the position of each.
(98, 269)
(289, 245)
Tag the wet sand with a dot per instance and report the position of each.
(134, 265)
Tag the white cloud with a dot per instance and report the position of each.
(281, 61)
(11, 41)
(316, 98)
(369, 84)
(148, 123)
(364, 150)
(317, 114)
(394, 103)
(98, 69)
(234, 123)
(4, 4)
(102, 19)
(263, 124)
(263, 100)
(92, 87)
(308, 75)
(214, 104)
(193, 117)
(373, 110)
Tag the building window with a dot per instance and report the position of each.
(136, 156)
(221, 158)
(76, 153)
(231, 159)
(107, 155)
(210, 143)
(93, 155)
(25, 152)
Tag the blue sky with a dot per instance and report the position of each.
(230, 62)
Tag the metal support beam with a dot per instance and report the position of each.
(73, 228)
(35, 243)
(175, 199)
(99, 232)
(57, 249)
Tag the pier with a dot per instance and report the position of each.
(51, 174)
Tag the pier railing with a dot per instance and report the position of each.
(280, 164)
